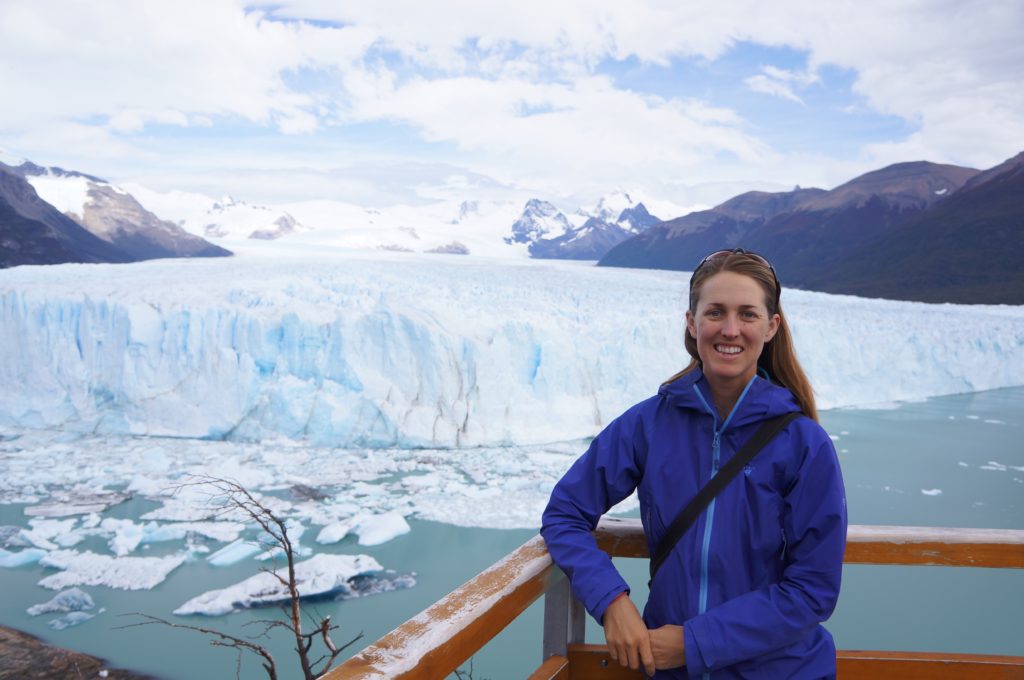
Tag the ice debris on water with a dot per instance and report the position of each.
(70, 600)
(932, 492)
(234, 552)
(20, 558)
(77, 502)
(378, 529)
(321, 575)
(89, 569)
(69, 620)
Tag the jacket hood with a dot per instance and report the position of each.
(761, 399)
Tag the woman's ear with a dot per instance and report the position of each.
(691, 327)
(773, 327)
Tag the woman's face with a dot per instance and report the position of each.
(731, 325)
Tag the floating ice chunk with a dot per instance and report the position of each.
(127, 535)
(364, 489)
(962, 464)
(20, 558)
(320, 575)
(334, 532)
(233, 553)
(931, 492)
(278, 552)
(51, 528)
(993, 465)
(377, 529)
(70, 600)
(833, 437)
(69, 620)
(89, 569)
(993, 421)
(77, 503)
(223, 532)
(972, 417)
(844, 432)
(10, 537)
(273, 549)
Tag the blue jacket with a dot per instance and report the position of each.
(754, 577)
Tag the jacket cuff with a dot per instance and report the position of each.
(602, 605)
(695, 666)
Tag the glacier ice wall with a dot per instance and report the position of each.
(364, 349)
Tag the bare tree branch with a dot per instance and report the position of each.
(220, 639)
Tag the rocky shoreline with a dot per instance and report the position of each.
(26, 657)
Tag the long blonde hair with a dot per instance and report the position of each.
(778, 357)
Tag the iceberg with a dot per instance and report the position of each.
(20, 558)
(77, 502)
(124, 573)
(70, 600)
(126, 535)
(233, 553)
(320, 575)
(377, 529)
(333, 532)
(362, 349)
(70, 619)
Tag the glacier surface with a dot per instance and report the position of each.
(355, 349)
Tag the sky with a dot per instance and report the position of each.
(385, 102)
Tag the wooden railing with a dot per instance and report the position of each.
(440, 639)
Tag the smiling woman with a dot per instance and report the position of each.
(742, 588)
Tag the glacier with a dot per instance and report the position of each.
(373, 349)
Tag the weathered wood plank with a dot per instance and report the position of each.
(441, 638)
(588, 662)
(555, 668)
(858, 665)
(939, 546)
(592, 661)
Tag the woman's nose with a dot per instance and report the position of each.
(731, 326)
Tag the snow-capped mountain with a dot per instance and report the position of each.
(540, 220)
(223, 218)
(587, 235)
(114, 215)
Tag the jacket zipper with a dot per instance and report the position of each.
(709, 518)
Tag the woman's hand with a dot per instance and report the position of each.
(668, 647)
(627, 636)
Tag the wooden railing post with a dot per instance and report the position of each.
(564, 617)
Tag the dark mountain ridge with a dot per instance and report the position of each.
(113, 226)
(34, 232)
(862, 236)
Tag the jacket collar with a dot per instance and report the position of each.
(761, 400)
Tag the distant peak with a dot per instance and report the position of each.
(30, 169)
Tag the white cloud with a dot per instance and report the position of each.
(770, 86)
(508, 90)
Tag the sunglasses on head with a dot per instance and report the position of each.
(721, 254)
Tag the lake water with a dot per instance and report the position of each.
(949, 461)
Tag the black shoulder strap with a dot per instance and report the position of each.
(689, 514)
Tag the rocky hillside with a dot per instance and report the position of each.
(914, 231)
(51, 215)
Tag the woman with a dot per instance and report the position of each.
(744, 592)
